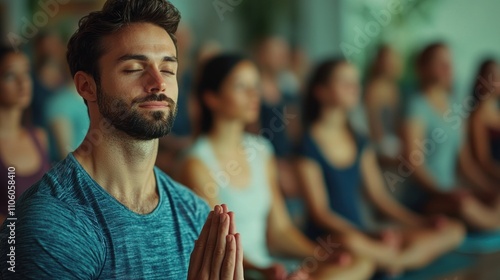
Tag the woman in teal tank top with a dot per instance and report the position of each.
(337, 163)
(230, 166)
(435, 149)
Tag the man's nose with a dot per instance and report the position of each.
(155, 82)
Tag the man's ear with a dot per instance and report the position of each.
(86, 86)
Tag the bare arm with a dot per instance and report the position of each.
(196, 176)
(284, 237)
(472, 172)
(414, 132)
(377, 192)
(480, 145)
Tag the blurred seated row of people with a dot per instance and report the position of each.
(337, 168)
(335, 163)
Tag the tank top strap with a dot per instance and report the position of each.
(202, 150)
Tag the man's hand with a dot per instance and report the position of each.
(217, 253)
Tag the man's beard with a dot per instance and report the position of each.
(131, 121)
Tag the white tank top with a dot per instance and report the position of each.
(251, 204)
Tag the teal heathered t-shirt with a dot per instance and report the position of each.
(68, 227)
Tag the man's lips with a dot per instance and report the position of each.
(154, 105)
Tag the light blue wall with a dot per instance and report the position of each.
(469, 27)
(11, 21)
(320, 27)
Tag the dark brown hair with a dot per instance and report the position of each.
(6, 50)
(320, 76)
(214, 72)
(85, 46)
(426, 56)
(483, 79)
(374, 69)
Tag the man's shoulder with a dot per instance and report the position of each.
(64, 188)
(61, 182)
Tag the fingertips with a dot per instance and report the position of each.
(217, 209)
(232, 225)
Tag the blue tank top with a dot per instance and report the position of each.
(343, 185)
(273, 122)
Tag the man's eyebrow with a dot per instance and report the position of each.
(142, 57)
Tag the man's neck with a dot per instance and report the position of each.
(123, 166)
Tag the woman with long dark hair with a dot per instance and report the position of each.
(230, 166)
(484, 121)
(334, 166)
(22, 148)
(383, 104)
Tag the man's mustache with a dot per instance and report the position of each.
(158, 98)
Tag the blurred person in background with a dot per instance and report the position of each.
(484, 122)
(279, 111)
(239, 169)
(67, 119)
(49, 73)
(299, 66)
(206, 51)
(435, 149)
(336, 163)
(382, 103)
(21, 147)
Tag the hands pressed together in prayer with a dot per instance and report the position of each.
(217, 254)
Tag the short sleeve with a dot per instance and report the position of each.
(51, 242)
